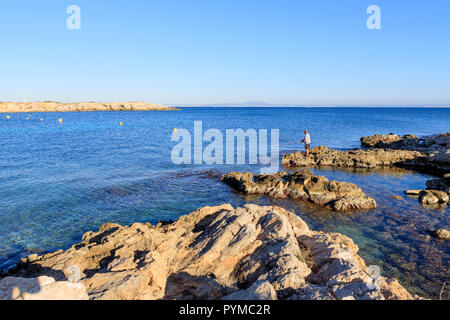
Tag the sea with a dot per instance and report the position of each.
(59, 180)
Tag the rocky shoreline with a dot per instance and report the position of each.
(428, 153)
(250, 252)
(51, 106)
(358, 158)
(302, 185)
(221, 252)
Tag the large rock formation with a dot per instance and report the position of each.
(427, 153)
(41, 288)
(218, 253)
(50, 106)
(408, 142)
(436, 148)
(323, 156)
(303, 185)
(379, 139)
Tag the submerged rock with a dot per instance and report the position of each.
(303, 185)
(441, 234)
(218, 252)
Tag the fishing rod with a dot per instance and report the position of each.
(290, 143)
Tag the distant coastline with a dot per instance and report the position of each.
(262, 104)
(237, 105)
(53, 106)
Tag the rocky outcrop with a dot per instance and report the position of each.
(50, 106)
(41, 288)
(380, 139)
(427, 153)
(437, 193)
(408, 142)
(436, 148)
(217, 252)
(302, 185)
(323, 156)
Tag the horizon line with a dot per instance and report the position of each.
(249, 104)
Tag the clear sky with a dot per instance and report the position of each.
(217, 51)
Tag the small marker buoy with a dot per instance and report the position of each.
(7, 117)
(27, 119)
(174, 129)
(60, 120)
(121, 123)
(42, 119)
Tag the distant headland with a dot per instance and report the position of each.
(53, 106)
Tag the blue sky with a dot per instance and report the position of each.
(216, 51)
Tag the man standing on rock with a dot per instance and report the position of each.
(307, 142)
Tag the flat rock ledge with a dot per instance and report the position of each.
(407, 142)
(220, 252)
(51, 106)
(435, 147)
(302, 185)
(358, 158)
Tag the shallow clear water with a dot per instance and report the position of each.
(58, 181)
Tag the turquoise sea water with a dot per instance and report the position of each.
(58, 181)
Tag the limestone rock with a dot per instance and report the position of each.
(427, 153)
(372, 141)
(433, 197)
(260, 290)
(40, 288)
(217, 252)
(435, 148)
(413, 192)
(303, 185)
(323, 156)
